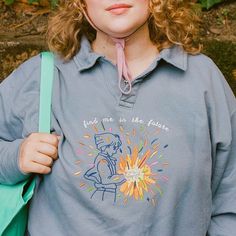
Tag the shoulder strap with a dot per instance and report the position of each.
(47, 74)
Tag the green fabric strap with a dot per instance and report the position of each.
(47, 74)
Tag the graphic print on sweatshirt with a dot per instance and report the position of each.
(124, 164)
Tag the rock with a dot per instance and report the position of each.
(214, 30)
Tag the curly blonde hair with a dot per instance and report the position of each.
(172, 22)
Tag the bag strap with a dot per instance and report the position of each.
(46, 83)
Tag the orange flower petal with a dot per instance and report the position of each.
(134, 155)
(136, 193)
(131, 190)
(151, 181)
(124, 187)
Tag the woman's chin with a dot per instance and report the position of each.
(120, 29)
(116, 33)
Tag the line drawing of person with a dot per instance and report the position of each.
(103, 173)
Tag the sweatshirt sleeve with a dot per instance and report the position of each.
(18, 117)
(223, 136)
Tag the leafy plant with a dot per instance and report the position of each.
(54, 2)
(209, 3)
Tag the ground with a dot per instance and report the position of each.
(23, 26)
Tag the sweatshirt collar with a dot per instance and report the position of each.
(86, 58)
(175, 56)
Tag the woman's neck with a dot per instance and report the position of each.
(139, 49)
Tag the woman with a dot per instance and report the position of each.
(103, 173)
(128, 68)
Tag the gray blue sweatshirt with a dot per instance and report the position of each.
(160, 161)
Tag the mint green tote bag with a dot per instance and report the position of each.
(14, 199)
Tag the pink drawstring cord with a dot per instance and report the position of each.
(123, 70)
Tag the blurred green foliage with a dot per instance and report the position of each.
(209, 3)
